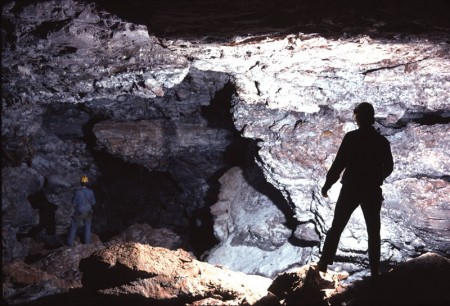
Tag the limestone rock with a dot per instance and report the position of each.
(301, 126)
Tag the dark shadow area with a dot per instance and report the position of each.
(302, 243)
(218, 113)
(45, 231)
(219, 20)
(425, 117)
(128, 193)
(47, 210)
(422, 281)
(421, 117)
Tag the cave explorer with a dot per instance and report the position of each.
(83, 201)
(367, 159)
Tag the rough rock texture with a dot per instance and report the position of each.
(306, 286)
(157, 275)
(139, 274)
(67, 66)
(55, 273)
(402, 285)
(252, 229)
(158, 102)
(145, 234)
(299, 109)
(48, 271)
(17, 183)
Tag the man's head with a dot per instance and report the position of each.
(84, 180)
(364, 114)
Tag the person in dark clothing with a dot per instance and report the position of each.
(366, 157)
(83, 200)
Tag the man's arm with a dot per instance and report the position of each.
(388, 165)
(75, 198)
(337, 167)
(92, 198)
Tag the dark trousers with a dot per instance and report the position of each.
(87, 223)
(349, 199)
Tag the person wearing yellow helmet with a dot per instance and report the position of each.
(83, 201)
(84, 180)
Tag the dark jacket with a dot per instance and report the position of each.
(83, 200)
(366, 157)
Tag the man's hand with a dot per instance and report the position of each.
(324, 192)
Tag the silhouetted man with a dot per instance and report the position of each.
(366, 157)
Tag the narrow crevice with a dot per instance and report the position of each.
(433, 177)
(425, 117)
(302, 243)
(255, 177)
(422, 117)
(393, 66)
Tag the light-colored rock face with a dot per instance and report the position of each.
(160, 275)
(296, 94)
(163, 104)
(288, 73)
(252, 229)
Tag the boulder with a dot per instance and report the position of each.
(147, 274)
(419, 281)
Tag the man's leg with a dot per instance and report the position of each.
(73, 232)
(346, 204)
(87, 230)
(371, 209)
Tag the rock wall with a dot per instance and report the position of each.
(73, 77)
(295, 94)
(85, 91)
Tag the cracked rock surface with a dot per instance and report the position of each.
(222, 120)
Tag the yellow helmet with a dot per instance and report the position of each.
(84, 179)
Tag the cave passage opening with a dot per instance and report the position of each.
(128, 193)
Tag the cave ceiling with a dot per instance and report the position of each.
(217, 20)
